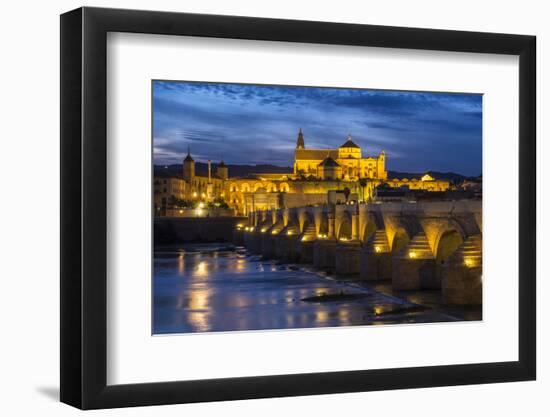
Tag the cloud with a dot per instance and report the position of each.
(258, 124)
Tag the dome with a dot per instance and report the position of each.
(349, 144)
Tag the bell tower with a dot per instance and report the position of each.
(188, 167)
(222, 171)
(300, 144)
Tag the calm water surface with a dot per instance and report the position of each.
(211, 287)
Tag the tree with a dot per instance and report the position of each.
(347, 193)
(363, 183)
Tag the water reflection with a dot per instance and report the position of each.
(210, 288)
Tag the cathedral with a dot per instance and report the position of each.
(316, 173)
(345, 163)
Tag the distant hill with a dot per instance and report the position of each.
(201, 168)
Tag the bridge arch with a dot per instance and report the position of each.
(258, 186)
(322, 223)
(448, 234)
(293, 219)
(369, 228)
(308, 220)
(449, 241)
(345, 226)
(271, 188)
(284, 187)
(401, 239)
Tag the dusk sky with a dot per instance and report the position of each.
(257, 124)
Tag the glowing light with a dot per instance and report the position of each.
(199, 212)
(201, 269)
(201, 205)
(412, 254)
(344, 239)
(181, 211)
(377, 249)
(203, 195)
(273, 232)
(263, 230)
(239, 226)
(289, 232)
(195, 194)
(469, 262)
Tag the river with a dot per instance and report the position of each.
(217, 287)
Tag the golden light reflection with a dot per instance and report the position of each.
(181, 263)
(321, 316)
(289, 232)
(240, 265)
(200, 320)
(199, 303)
(343, 316)
(238, 301)
(377, 249)
(201, 270)
(378, 310)
(199, 300)
(412, 255)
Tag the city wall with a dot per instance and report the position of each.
(173, 230)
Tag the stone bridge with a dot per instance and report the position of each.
(417, 245)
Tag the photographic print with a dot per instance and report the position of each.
(290, 207)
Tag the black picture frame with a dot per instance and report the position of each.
(84, 207)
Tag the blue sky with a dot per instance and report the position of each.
(255, 124)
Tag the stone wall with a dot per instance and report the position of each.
(172, 230)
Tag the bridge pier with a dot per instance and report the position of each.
(375, 261)
(324, 253)
(306, 251)
(285, 247)
(375, 266)
(461, 282)
(462, 285)
(253, 241)
(414, 266)
(238, 236)
(347, 257)
(268, 245)
(412, 274)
